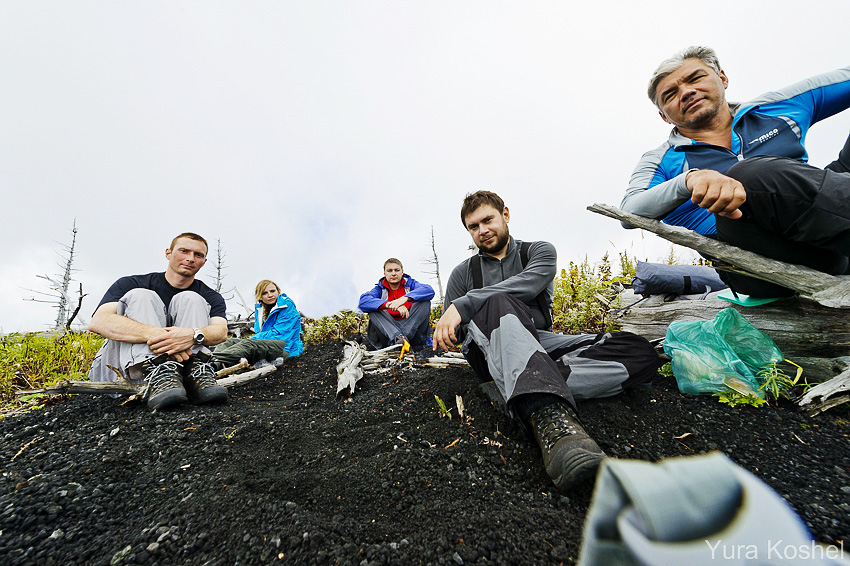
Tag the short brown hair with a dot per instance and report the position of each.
(394, 260)
(474, 201)
(191, 236)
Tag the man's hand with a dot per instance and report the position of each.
(402, 310)
(174, 341)
(397, 304)
(444, 332)
(716, 192)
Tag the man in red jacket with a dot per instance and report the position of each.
(399, 309)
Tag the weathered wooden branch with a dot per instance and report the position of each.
(243, 378)
(826, 395)
(348, 371)
(453, 355)
(828, 290)
(451, 361)
(99, 387)
(124, 387)
(243, 363)
(76, 310)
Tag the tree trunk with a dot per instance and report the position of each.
(828, 290)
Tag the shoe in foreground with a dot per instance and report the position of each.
(569, 454)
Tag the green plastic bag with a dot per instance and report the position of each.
(713, 356)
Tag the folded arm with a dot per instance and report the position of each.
(172, 340)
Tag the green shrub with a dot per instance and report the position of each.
(584, 293)
(40, 359)
(339, 326)
(436, 312)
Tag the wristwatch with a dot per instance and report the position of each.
(199, 336)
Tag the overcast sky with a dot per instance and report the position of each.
(316, 139)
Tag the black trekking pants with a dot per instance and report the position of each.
(795, 213)
(502, 344)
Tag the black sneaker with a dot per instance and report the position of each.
(165, 379)
(569, 454)
(200, 380)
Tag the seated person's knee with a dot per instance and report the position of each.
(187, 298)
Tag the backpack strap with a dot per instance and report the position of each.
(477, 277)
(523, 253)
(542, 304)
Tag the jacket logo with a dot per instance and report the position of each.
(763, 138)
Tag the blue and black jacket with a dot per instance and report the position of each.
(774, 124)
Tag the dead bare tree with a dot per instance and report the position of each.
(76, 310)
(60, 285)
(435, 261)
(220, 267)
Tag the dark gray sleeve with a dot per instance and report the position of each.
(459, 283)
(525, 285)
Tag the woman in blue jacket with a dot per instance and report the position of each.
(276, 317)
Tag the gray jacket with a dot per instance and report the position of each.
(506, 276)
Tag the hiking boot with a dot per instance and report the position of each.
(165, 381)
(200, 380)
(569, 454)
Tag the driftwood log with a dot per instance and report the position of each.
(826, 395)
(348, 371)
(356, 361)
(801, 328)
(827, 290)
(124, 387)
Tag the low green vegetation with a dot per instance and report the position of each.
(340, 326)
(40, 359)
(441, 407)
(776, 383)
(733, 399)
(585, 292)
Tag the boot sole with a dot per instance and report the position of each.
(581, 467)
(213, 394)
(168, 398)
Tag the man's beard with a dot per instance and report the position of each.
(499, 242)
(702, 119)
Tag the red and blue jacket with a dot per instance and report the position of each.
(374, 299)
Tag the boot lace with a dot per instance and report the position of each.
(164, 376)
(553, 424)
(203, 374)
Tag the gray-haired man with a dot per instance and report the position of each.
(737, 171)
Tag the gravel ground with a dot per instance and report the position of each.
(285, 472)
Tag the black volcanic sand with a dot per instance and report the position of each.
(286, 472)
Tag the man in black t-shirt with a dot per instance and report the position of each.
(159, 328)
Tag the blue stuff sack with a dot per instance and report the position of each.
(661, 279)
(713, 356)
